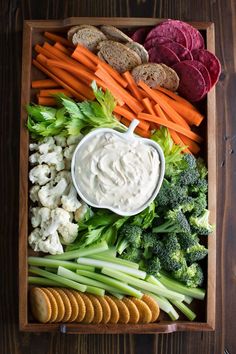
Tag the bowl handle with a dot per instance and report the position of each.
(131, 128)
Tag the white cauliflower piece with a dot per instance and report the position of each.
(54, 157)
(50, 244)
(68, 153)
(34, 193)
(63, 174)
(74, 140)
(81, 211)
(50, 195)
(40, 174)
(70, 201)
(40, 217)
(33, 147)
(34, 158)
(68, 232)
(60, 140)
(47, 145)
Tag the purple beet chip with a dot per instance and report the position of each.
(168, 30)
(192, 84)
(182, 52)
(210, 61)
(203, 70)
(183, 26)
(152, 42)
(140, 35)
(162, 54)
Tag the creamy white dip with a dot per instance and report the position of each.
(113, 172)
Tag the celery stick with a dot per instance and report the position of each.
(81, 252)
(120, 286)
(143, 285)
(63, 281)
(103, 264)
(96, 291)
(55, 263)
(42, 281)
(84, 267)
(188, 299)
(118, 296)
(111, 252)
(115, 260)
(51, 270)
(165, 306)
(83, 279)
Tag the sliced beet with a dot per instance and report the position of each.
(162, 54)
(168, 30)
(192, 84)
(210, 61)
(182, 52)
(203, 70)
(183, 26)
(140, 35)
(152, 42)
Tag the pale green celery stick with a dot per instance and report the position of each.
(120, 286)
(118, 296)
(81, 252)
(111, 252)
(51, 270)
(115, 260)
(95, 291)
(63, 281)
(165, 306)
(63, 272)
(55, 263)
(180, 305)
(188, 299)
(103, 264)
(85, 267)
(143, 285)
(42, 281)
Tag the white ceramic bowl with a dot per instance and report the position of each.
(128, 136)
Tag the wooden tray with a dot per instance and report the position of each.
(206, 309)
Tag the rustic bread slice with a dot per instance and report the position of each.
(88, 37)
(74, 29)
(119, 56)
(172, 80)
(115, 34)
(152, 74)
(140, 50)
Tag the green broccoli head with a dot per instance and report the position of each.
(170, 255)
(153, 266)
(132, 254)
(187, 240)
(200, 204)
(176, 222)
(192, 276)
(195, 253)
(128, 235)
(201, 167)
(148, 243)
(200, 224)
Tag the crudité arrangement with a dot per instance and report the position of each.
(124, 267)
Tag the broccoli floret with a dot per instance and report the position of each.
(128, 235)
(200, 186)
(170, 255)
(171, 195)
(176, 222)
(148, 242)
(200, 224)
(153, 266)
(188, 177)
(187, 240)
(192, 276)
(200, 204)
(201, 167)
(188, 205)
(132, 254)
(195, 253)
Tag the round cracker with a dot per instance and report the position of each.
(53, 303)
(98, 313)
(133, 311)
(73, 303)
(40, 305)
(152, 304)
(60, 304)
(89, 313)
(66, 301)
(114, 310)
(123, 310)
(144, 311)
(172, 80)
(81, 306)
(105, 309)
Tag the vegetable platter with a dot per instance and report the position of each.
(141, 296)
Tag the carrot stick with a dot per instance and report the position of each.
(41, 84)
(59, 54)
(85, 61)
(164, 105)
(124, 112)
(96, 60)
(134, 104)
(56, 38)
(47, 71)
(44, 52)
(47, 101)
(49, 93)
(148, 105)
(63, 49)
(138, 130)
(175, 97)
(132, 85)
(193, 147)
(168, 124)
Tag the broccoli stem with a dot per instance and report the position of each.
(62, 281)
(103, 264)
(81, 252)
(122, 246)
(121, 287)
(167, 227)
(42, 281)
(115, 260)
(165, 306)
(55, 263)
(141, 284)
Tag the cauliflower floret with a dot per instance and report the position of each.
(33, 147)
(68, 153)
(47, 145)
(74, 140)
(50, 195)
(34, 193)
(68, 232)
(60, 140)
(34, 158)
(40, 217)
(49, 244)
(63, 174)
(54, 157)
(70, 201)
(41, 174)
(81, 211)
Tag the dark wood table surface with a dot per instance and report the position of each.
(12, 14)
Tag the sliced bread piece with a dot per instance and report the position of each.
(152, 74)
(88, 37)
(140, 50)
(115, 34)
(172, 80)
(74, 29)
(119, 56)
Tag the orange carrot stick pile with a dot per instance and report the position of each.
(71, 71)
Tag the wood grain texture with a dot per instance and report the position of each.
(12, 14)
